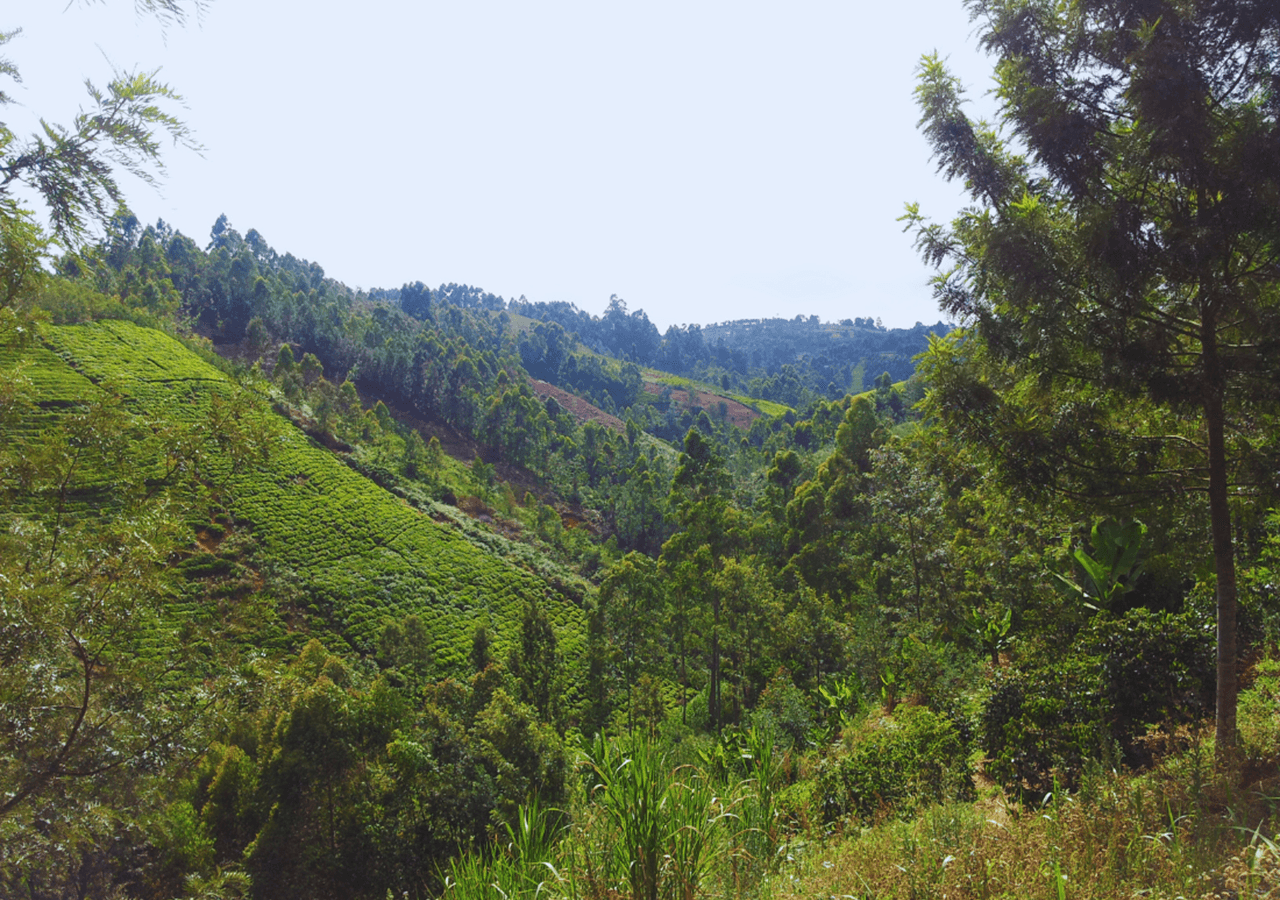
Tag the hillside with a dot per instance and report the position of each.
(581, 410)
(353, 554)
(376, 654)
(829, 349)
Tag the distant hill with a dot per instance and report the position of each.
(833, 350)
(788, 361)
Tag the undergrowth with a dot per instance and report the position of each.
(1181, 830)
(648, 829)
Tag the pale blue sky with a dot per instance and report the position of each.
(704, 161)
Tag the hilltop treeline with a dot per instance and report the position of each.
(789, 361)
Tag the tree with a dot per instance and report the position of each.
(415, 299)
(102, 684)
(536, 662)
(1124, 248)
(88, 710)
(632, 601)
(709, 530)
(907, 505)
(481, 648)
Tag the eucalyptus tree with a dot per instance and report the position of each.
(1122, 251)
(709, 529)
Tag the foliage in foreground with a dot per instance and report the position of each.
(1180, 831)
(647, 828)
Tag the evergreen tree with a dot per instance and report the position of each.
(1124, 247)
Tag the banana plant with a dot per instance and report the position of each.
(991, 630)
(1113, 569)
(841, 705)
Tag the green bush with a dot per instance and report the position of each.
(895, 764)
(1044, 720)
(784, 712)
(1259, 712)
(1155, 667)
(1048, 716)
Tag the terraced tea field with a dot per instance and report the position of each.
(354, 554)
(364, 555)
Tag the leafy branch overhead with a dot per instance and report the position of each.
(74, 169)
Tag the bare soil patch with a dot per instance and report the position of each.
(739, 416)
(580, 409)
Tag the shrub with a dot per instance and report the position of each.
(1043, 720)
(896, 764)
(784, 712)
(1259, 715)
(1049, 716)
(1155, 667)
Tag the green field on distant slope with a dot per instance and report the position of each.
(355, 553)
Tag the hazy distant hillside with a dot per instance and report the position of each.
(833, 349)
(789, 361)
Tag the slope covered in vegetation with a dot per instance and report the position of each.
(873, 614)
(355, 554)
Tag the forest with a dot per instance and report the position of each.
(309, 591)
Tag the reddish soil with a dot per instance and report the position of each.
(739, 416)
(580, 409)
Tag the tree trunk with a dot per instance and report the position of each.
(713, 693)
(1223, 552)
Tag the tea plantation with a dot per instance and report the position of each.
(350, 552)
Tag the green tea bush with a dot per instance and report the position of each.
(356, 554)
(895, 765)
(1044, 720)
(1155, 667)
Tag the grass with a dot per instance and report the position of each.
(643, 828)
(1185, 828)
(1181, 830)
(648, 829)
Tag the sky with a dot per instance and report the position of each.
(704, 161)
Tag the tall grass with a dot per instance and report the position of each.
(1174, 832)
(659, 835)
(520, 867)
(759, 834)
(644, 830)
